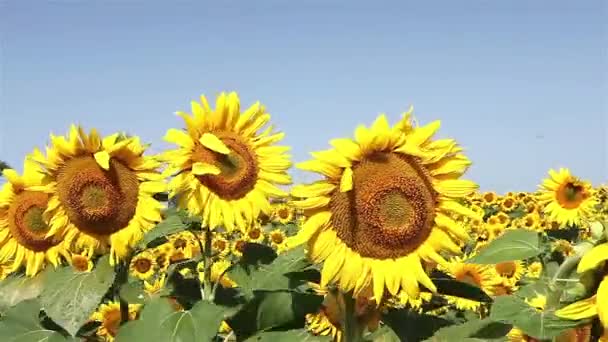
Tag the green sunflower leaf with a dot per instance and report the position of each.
(160, 322)
(16, 289)
(485, 329)
(70, 297)
(518, 244)
(412, 326)
(296, 335)
(538, 324)
(383, 334)
(170, 225)
(21, 323)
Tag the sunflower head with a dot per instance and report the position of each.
(25, 236)
(101, 190)
(385, 203)
(143, 265)
(566, 199)
(82, 262)
(224, 168)
(108, 314)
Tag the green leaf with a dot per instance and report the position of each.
(412, 326)
(516, 244)
(16, 289)
(295, 335)
(134, 293)
(69, 297)
(159, 322)
(280, 274)
(538, 324)
(383, 334)
(170, 225)
(22, 324)
(484, 329)
(280, 308)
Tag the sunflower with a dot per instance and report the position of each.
(384, 205)
(510, 271)
(238, 247)
(5, 270)
(277, 239)
(81, 262)
(25, 237)
(489, 198)
(255, 234)
(503, 218)
(531, 221)
(508, 204)
(220, 245)
(101, 190)
(564, 247)
(482, 276)
(534, 270)
(109, 316)
(402, 299)
(143, 265)
(282, 213)
(162, 256)
(224, 169)
(567, 199)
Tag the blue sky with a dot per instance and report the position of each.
(520, 84)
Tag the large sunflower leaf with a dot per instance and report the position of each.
(518, 244)
(70, 297)
(296, 335)
(485, 329)
(412, 326)
(447, 285)
(16, 289)
(383, 334)
(21, 323)
(538, 324)
(280, 274)
(170, 225)
(160, 322)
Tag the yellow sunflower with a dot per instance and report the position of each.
(101, 190)
(156, 286)
(218, 273)
(534, 270)
(566, 198)
(384, 205)
(109, 316)
(282, 213)
(225, 170)
(508, 204)
(5, 270)
(510, 271)
(489, 198)
(220, 245)
(81, 262)
(162, 255)
(277, 239)
(25, 237)
(143, 265)
(482, 276)
(255, 234)
(238, 247)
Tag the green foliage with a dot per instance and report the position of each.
(449, 286)
(21, 323)
(518, 244)
(70, 297)
(170, 225)
(295, 335)
(538, 324)
(16, 289)
(412, 326)
(485, 329)
(160, 322)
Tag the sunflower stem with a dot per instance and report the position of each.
(122, 276)
(207, 288)
(352, 331)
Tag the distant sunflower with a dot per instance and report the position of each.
(489, 198)
(238, 247)
(162, 256)
(510, 271)
(277, 239)
(101, 190)
(81, 262)
(482, 276)
(508, 204)
(282, 213)
(255, 234)
(25, 237)
(531, 221)
(384, 205)
(566, 198)
(534, 270)
(143, 265)
(220, 245)
(218, 273)
(225, 170)
(108, 314)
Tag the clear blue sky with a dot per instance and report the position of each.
(521, 84)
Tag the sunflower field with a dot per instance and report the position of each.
(211, 241)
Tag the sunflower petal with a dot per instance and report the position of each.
(103, 159)
(346, 182)
(212, 142)
(201, 169)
